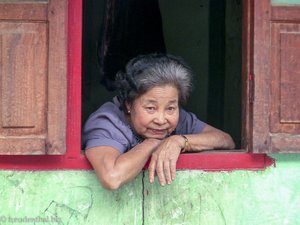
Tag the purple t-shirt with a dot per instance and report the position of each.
(108, 126)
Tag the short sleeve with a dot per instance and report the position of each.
(189, 123)
(104, 128)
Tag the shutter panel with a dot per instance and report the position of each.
(276, 68)
(33, 77)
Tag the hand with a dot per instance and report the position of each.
(164, 159)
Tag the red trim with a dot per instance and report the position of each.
(74, 160)
(196, 161)
(44, 162)
(224, 161)
(74, 77)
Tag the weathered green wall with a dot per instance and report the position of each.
(269, 197)
(286, 1)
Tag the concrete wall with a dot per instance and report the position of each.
(269, 197)
(286, 1)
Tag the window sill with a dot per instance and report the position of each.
(224, 161)
(212, 161)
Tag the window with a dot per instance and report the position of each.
(207, 34)
(33, 77)
(245, 58)
(269, 110)
(65, 85)
(274, 124)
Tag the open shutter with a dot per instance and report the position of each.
(276, 71)
(33, 77)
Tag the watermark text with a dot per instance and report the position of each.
(25, 219)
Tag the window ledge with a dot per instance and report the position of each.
(224, 161)
(227, 161)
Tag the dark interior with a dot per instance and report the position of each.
(206, 33)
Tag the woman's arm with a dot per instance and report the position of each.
(114, 169)
(209, 138)
(164, 158)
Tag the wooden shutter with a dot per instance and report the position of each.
(276, 72)
(33, 77)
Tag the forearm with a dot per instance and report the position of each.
(114, 169)
(128, 165)
(210, 140)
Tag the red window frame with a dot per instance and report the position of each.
(75, 160)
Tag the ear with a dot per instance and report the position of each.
(128, 107)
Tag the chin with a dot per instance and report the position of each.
(160, 137)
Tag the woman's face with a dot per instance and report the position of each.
(155, 114)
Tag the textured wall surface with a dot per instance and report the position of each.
(286, 1)
(269, 197)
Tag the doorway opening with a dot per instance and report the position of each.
(207, 34)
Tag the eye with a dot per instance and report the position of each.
(171, 109)
(150, 108)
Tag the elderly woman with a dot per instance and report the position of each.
(146, 120)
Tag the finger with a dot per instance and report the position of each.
(167, 172)
(173, 169)
(160, 173)
(151, 169)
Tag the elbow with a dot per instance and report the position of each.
(232, 145)
(110, 182)
(110, 186)
(229, 143)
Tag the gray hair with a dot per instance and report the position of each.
(148, 71)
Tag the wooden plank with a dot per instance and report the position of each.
(23, 75)
(57, 82)
(276, 68)
(74, 159)
(23, 11)
(33, 64)
(23, 69)
(22, 146)
(261, 66)
(247, 75)
(289, 13)
(285, 143)
(285, 86)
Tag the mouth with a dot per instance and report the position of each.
(159, 131)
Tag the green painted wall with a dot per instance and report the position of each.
(286, 1)
(269, 197)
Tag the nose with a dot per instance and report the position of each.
(160, 118)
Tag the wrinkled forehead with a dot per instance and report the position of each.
(160, 94)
